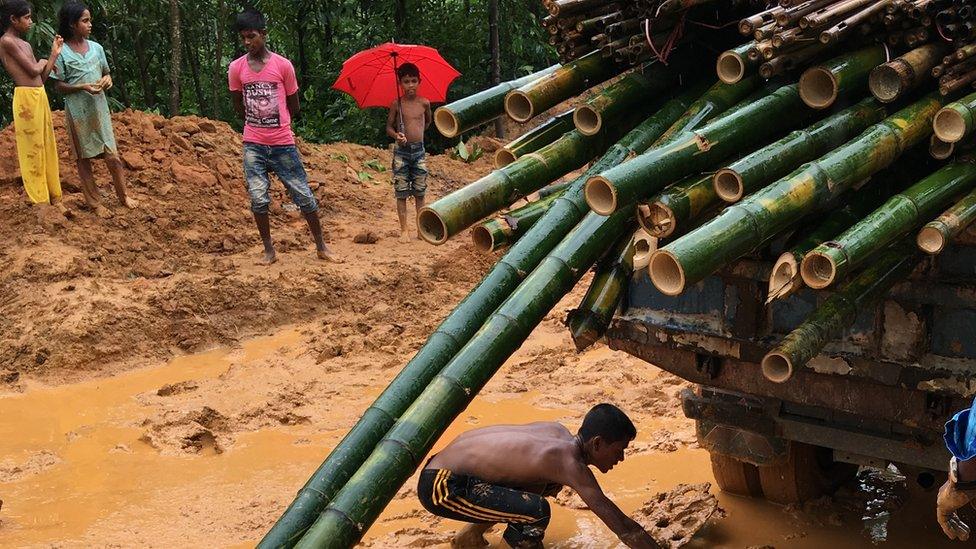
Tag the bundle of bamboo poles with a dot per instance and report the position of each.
(823, 161)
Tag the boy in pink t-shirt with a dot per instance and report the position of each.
(265, 93)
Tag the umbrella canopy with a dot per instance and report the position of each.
(370, 76)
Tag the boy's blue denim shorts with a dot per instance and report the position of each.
(409, 170)
(285, 162)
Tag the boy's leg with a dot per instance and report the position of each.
(52, 166)
(287, 163)
(90, 190)
(401, 189)
(28, 130)
(118, 179)
(473, 500)
(418, 173)
(256, 178)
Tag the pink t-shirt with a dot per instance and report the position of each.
(266, 117)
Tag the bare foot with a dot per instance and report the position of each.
(103, 212)
(471, 536)
(130, 203)
(327, 255)
(63, 210)
(269, 258)
(404, 238)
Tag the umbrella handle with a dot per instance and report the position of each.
(396, 79)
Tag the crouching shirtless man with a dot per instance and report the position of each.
(503, 473)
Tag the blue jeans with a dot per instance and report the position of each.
(409, 170)
(283, 161)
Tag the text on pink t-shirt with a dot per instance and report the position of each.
(266, 117)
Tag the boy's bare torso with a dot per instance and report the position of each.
(414, 113)
(11, 46)
(512, 455)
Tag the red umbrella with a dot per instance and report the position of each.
(370, 76)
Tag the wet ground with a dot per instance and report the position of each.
(135, 460)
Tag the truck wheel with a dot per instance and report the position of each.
(808, 472)
(736, 477)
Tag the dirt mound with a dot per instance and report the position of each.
(177, 274)
(674, 517)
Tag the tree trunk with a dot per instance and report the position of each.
(400, 20)
(192, 53)
(218, 59)
(175, 57)
(496, 73)
(303, 8)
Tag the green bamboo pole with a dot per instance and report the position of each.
(501, 232)
(534, 139)
(821, 85)
(777, 159)
(567, 81)
(894, 79)
(553, 189)
(459, 326)
(472, 111)
(735, 64)
(559, 222)
(695, 150)
(459, 210)
(671, 211)
(748, 224)
(935, 235)
(398, 455)
(614, 101)
(838, 313)
(899, 215)
(957, 120)
(588, 322)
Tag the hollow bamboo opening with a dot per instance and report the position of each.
(777, 367)
(666, 273)
(939, 149)
(818, 271)
(446, 122)
(730, 67)
(949, 125)
(661, 220)
(783, 276)
(503, 157)
(587, 120)
(818, 88)
(728, 185)
(432, 227)
(600, 195)
(885, 83)
(518, 106)
(644, 246)
(482, 238)
(931, 240)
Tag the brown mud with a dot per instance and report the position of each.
(157, 389)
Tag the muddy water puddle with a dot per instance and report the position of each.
(73, 463)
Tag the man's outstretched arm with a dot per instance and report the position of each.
(627, 529)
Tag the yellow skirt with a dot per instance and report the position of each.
(36, 150)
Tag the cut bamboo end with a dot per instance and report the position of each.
(666, 273)
(939, 149)
(661, 221)
(728, 185)
(518, 106)
(949, 125)
(887, 82)
(931, 240)
(432, 228)
(818, 271)
(777, 367)
(503, 157)
(730, 67)
(818, 88)
(483, 239)
(601, 196)
(446, 122)
(587, 120)
(644, 246)
(783, 279)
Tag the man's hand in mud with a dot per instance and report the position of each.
(950, 500)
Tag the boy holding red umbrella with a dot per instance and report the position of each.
(408, 118)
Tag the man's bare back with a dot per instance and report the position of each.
(544, 450)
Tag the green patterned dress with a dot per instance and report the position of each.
(87, 115)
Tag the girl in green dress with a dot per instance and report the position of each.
(83, 77)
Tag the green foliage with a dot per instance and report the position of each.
(375, 165)
(316, 35)
(469, 155)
